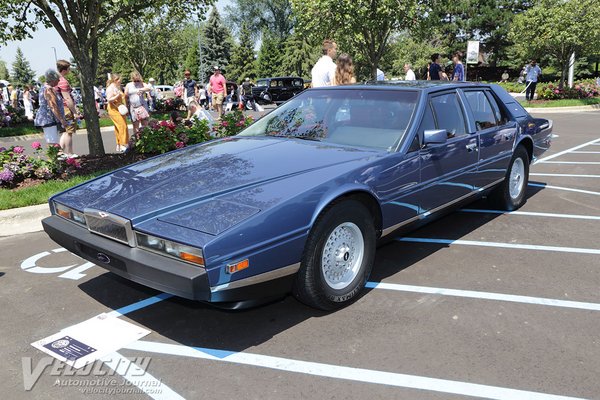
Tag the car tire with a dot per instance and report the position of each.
(511, 193)
(338, 257)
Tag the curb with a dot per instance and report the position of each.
(16, 221)
(566, 110)
(24, 138)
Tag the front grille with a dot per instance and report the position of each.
(111, 226)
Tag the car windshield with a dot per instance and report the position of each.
(356, 117)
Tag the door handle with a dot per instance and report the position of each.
(471, 147)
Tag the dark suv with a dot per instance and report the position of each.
(277, 90)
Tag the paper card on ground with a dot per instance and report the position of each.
(84, 343)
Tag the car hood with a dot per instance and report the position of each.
(182, 178)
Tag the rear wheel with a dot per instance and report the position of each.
(510, 194)
(338, 257)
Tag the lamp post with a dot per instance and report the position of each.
(55, 58)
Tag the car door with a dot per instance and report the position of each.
(496, 136)
(448, 170)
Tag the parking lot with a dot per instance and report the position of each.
(479, 304)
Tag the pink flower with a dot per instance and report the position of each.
(179, 145)
(225, 123)
(36, 145)
(18, 149)
(556, 91)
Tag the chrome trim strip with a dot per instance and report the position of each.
(253, 280)
(131, 242)
(392, 228)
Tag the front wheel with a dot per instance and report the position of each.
(338, 257)
(510, 194)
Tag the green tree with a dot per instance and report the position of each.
(4, 74)
(243, 62)
(216, 48)
(22, 74)
(148, 45)
(360, 27)
(558, 28)
(455, 23)
(406, 48)
(299, 56)
(260, 15)
(81, 24)
(270, 56)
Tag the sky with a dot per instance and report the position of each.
(39, 52)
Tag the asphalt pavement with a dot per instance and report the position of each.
(479, 304)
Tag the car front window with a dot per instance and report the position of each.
(358, 117)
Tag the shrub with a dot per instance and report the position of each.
(512, 87)
(580, 90)
(162, 136)
(232, 123)
(16, 166)
(10, 116)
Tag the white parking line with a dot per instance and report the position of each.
(531, 213)
(585, 152)
(500, 245)
(153, 387)
(571, 162)
(565, 175)
(542, 301)
(346, 373)
(550, 157)
(543, 185)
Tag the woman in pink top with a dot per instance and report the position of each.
(217, 84)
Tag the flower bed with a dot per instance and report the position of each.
(162, 136)
(580, 90)
(10, 116)
(16, 166)
(168, 105)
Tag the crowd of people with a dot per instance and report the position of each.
(53, 106)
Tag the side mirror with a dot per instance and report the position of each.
(435, 136)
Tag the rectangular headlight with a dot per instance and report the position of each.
(69, 213)
(166, 247)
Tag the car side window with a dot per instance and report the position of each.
(274, 83)
(501, 117)
(427, 123)
(449, 114)
(481, 108)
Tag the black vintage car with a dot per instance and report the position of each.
(277, 90)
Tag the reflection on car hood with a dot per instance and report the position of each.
(180, 178)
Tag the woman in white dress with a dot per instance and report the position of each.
(27, 103)
(138, 106)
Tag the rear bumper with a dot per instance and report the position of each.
(141, 266)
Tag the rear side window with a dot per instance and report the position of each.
(482, 109)
(501, 117)
(449, 114)
(297, 83)
(274, 83)
(261, 83)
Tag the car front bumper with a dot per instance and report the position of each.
(138, 265)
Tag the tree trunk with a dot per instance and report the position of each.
(88, 73)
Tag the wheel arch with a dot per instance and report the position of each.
(364, 196)
(526, 142)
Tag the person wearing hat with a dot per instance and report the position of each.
(152, 92)
(218, 84)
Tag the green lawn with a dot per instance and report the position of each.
(561, 103)
(39, 194)
(28, 128)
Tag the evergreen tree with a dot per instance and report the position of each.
(270, 56)
(299, 56)
(4, 74)
(243, 64)
(22, 74)
(216, 49)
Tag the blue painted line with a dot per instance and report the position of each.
(139, 305)
(221, 354)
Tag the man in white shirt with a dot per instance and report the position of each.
(324, 70)
(532, 73)
(410, 75)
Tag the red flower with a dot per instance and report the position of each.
(179, 145)
(225, 123)
(36, 145)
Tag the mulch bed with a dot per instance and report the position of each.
(90, 164)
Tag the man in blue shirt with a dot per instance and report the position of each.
(459, 69)
(532, 75)
(435, 69)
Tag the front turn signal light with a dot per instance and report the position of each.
(233, 268)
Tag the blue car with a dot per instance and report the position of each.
(299, 200)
